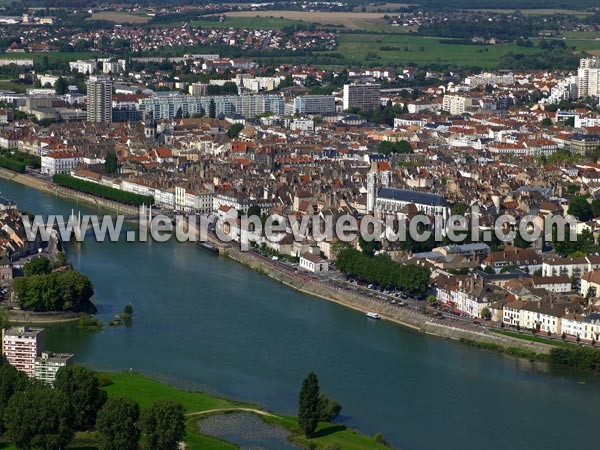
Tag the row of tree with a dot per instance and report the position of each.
(102, 191)
(33, 415)
(383, 271)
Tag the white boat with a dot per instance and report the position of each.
(373, 315)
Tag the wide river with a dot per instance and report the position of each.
(205, 322)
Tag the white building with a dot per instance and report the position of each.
(588, 77)
(456, 104)
(313, 263)
(48, 363)
(86, 67)
(60, 162)
(21, 346)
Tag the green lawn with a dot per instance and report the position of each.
(328, 434)
(530, 337)
(146, 391)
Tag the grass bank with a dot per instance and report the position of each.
(536, 338)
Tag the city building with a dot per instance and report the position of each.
(588, 77)
(86, 67)
(167, 106)
(365, 97)
(456, 104)
(60, 162)
(21, 346)
(314, 104)
(47, 364)
(99, 95)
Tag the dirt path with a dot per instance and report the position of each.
(219, 410)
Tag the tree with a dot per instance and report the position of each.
(369, 247)
(82, 388)
(179, 114)
(254, 210)
(234, 130)
(387, 147)
(308, 411)
(116, 424)
(163, 425)
(11, 381)
(329, 408)
(37, 266)
(212, 109)
(39, 418)
(111, 164)
(547, 122)
(580, 208)
(60, 86)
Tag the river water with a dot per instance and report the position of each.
(204, 322)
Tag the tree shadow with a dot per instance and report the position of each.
(329, 430)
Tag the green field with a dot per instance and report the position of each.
(52, 56)
(420, 49)
(254, 23)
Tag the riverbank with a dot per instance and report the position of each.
(400, 315)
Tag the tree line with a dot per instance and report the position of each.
(102, 191)
(35, 416)
(382, 271)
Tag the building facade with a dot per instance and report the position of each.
(99, 96)
(365, 97)
(21, 346)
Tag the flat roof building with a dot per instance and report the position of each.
(21, 346)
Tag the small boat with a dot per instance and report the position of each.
(208, 247)
(372, 315)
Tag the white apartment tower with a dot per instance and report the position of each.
(588, 77)
(21, 346)
(99, 95)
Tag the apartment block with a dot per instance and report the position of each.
(21, 346)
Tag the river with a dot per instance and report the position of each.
(205, 322)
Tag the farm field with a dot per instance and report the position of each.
(52, 56)
(420, 49)
(368, 21)
(549, 11)
(120, 17)
(255, 23)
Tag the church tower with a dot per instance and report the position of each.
(371, 191)
(150, 126)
